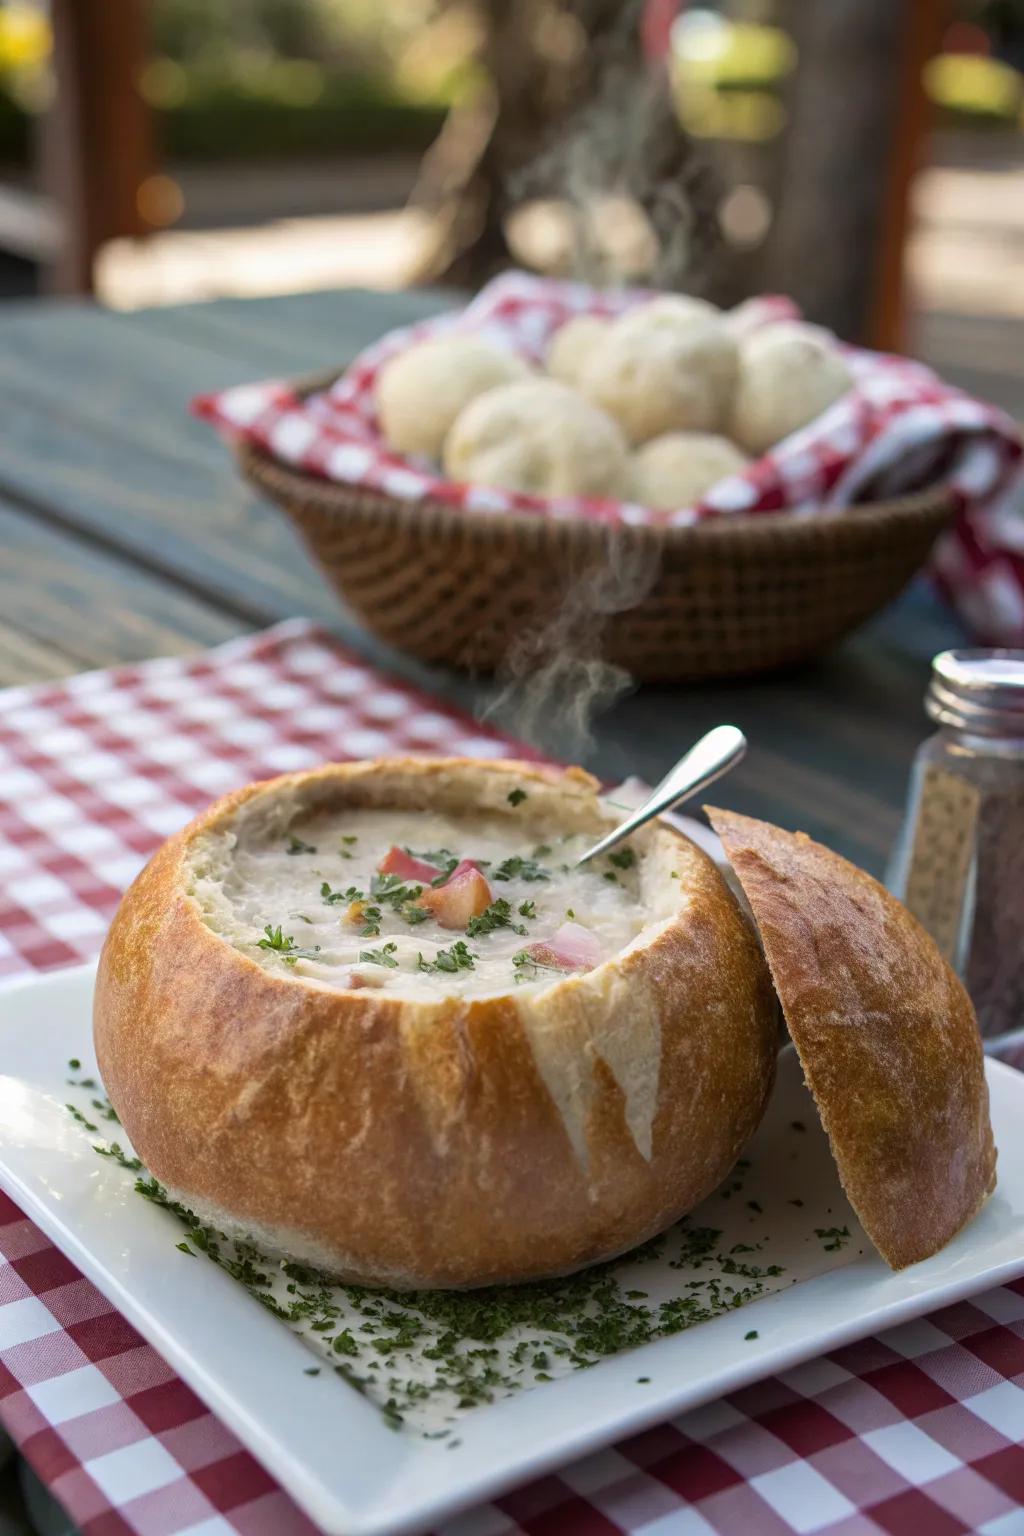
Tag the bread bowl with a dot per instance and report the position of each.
(450, 1126)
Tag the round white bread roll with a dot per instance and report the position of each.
(422, 390)
(676, 306)
(407, 1134)
(572, 346)
(666, 366)
(540, 437)
(675, 470)
(789, 373)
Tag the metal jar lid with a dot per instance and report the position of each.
(978, 691)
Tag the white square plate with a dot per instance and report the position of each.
(329, 1446)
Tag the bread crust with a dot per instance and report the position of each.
(417, 1142)
(885, 1033)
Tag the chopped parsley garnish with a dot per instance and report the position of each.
(275, 940)
(517, 868)
(383, 956)
(296, 845)
(542, 850)
(610, 874)
(284, 946)
(526, 966)
(527, 909)
(516, 796)
(443, 860)
(116, 1152)
(398, 895)
(458, 958)
(497, 915)
(624, 859)
(371, 922)
(570, 913)
(350, 838)
(75, 1064)
(80, 1119)
(393, 890)
(832, 1238)
(451, 1349)
(332, 898)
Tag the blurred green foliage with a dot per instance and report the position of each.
(239, 78)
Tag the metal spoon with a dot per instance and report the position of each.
(721, 749)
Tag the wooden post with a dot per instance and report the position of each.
(886, 326)
(97, 146)
(857, 121)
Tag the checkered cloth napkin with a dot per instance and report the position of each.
(916, 1433)
(899, 429)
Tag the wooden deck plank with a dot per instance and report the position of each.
(59, 594)
(97, 431)
(24, 660)
(296, 333)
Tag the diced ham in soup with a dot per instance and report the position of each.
(420, 903)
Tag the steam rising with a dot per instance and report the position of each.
(640, 202)
(555, 679)
(641, 205)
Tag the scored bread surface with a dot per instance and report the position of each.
(420, 1141)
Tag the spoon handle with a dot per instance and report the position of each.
(714, 754)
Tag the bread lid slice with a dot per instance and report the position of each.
(885, 1033)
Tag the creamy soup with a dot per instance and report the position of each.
(415, 902)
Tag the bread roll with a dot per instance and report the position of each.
(675, 470)
(422, 390)
(571, 348)
(666, 366)
(886, 1036)
(413, 1135)
(789, 373)
(542, 438)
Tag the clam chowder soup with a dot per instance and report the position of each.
(420, 903)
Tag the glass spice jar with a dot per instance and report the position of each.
(959, 862)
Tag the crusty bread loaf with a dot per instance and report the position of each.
(436, 1140)
(885, 1033)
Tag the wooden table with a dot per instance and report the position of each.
(126, 534)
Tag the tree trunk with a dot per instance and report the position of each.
(574, 129)
(847, 167)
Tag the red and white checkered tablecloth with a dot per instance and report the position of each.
(919, 1432)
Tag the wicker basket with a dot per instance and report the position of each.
(731, 596)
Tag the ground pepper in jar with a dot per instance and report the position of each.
(959, 864)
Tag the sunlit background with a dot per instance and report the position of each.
(264, 146)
